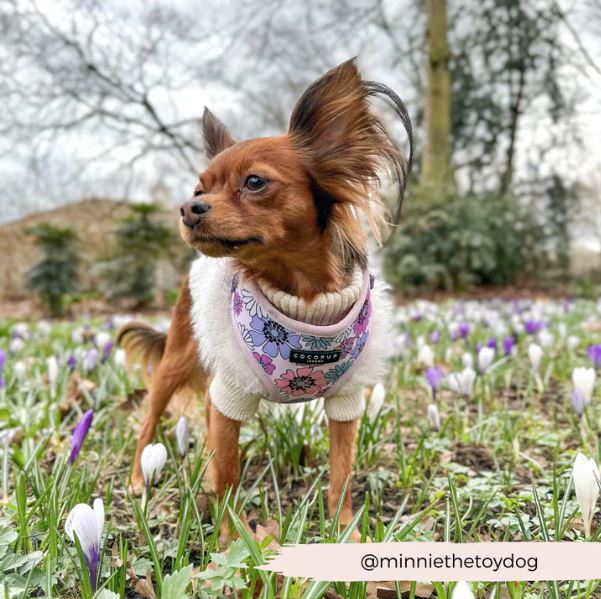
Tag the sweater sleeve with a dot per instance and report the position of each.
(232, 400)
(345, 407)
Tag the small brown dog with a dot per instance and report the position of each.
(280, 306)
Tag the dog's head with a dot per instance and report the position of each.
(270, 200)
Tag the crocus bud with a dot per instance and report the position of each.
(462, 590)
(120, 358)
(52, 370)
(20, 369)
(462, 383)
(434, 417)
(16, 345)
(594, 353)
(573, 342)
(578, 402)
(425, 356)
(79, 434)
(468, 361)
(584, 381)
(88, 524)
(101, 339)
(44, 327)
(376, 401)
(535, 353)
(586, 483)
(434, 377)
(486, 355)
(153, 460)
(89, 360)
(182, 435)
(508, 344)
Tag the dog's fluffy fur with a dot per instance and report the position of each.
(288, 210)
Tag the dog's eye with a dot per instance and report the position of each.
(198, 192)
(255, 183)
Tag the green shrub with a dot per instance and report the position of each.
(141, 241)
(54, 275)
(464, 241)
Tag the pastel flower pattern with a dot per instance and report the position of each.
(305, 381)
(265, 362)
(296, 366)
(272, 337)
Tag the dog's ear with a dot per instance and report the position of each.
(344, 146)
(215, 135)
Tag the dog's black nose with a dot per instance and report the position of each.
(192, 212)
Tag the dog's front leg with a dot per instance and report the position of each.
(342, 454)
(224, 441)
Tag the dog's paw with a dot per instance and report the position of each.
(137, 485)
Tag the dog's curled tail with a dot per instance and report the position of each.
(143, 345)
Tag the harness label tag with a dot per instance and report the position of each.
(302, 356)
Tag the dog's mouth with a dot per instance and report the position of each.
(226, 243)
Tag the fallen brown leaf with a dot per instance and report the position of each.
(142, 586)
(132, 401)
(75, 393)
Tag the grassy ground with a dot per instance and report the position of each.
(498, 469)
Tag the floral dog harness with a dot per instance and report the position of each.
(296, 361)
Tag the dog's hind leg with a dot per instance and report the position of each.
(179, 367)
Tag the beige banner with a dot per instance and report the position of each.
(440, 562)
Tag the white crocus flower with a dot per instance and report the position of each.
(102, 338)
(467, 360)
(44, 327)
(535, 354)
(78, 336)
(546, 339)
(573, 342)
(434, 417)
(462, 590)
(584, 381)
(462, 382)
(16, 345)
(425, 356)
(120, 358)
(88, 524)
(153, 460)
(486, 355)
(586, 483)
(20, 369)
(182, 434)
(376, 401)
(52, 370)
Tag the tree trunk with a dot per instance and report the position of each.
(435, 161)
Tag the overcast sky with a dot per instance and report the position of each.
(66, 173)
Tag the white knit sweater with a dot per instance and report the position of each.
(235, 389)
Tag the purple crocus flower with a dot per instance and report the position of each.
(435, 336)
(594, 353)
(464, 330)
(106, 350)
(508, 344)
(79, 434)
(533, 326)
(434, 377)
(578, 401)
(89, 360)
(71, 362)
(492, 343)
